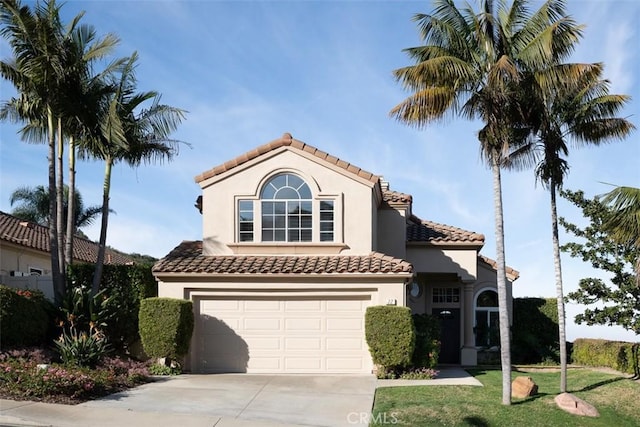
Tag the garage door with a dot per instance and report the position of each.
(283, 335)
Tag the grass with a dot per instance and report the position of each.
(616, 397)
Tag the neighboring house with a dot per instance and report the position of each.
(25, 260)
(297, 244)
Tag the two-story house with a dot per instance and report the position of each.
(297, 244)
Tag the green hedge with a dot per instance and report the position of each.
(123, 287)
(26, 317)
(618, 355)
(166, 326)
(535, 331)
(390, 335)
(427, 348)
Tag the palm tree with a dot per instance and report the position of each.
(132, 134)
(624, 226)
(583, 111)
(33, 205)
(34, 70)
(51, 69)
(473, 64)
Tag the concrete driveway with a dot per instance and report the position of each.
(223, 400)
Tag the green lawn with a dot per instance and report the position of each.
(617, 399)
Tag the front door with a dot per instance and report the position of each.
(449, 335)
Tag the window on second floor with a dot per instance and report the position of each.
(286, 213)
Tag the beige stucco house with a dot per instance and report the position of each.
(25, 260)
(297, 244)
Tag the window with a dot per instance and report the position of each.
(326, 221)
(245, 220)
(285, 213)
(446, 295)
(487, 321)
(33, 271)
(286, 210)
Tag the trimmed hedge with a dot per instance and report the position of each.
(619, 355)
(390, 335)
(25, 317)
(535, 331)
(123, 287)
(166, 326)
(427, 348)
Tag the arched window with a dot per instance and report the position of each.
(487, 322)
(287, 209)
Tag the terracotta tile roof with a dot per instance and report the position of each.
(419, 230)
(286, 141)
(188, 258)
(35, 236)
(511, 273)
(390, 196)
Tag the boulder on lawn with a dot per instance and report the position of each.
(574, 405)
(523, 387)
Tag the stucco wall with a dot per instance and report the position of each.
(352, 196)
(391, 232)
(20, 259)
(438, 259)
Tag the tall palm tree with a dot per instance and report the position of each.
(472, 64)
(33, 205)
(52, 70)
(624, 226)
(35, 70)
(132, 134)
(582, 111)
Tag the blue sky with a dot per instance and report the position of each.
(248, 71)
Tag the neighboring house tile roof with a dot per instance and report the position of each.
(419, 230)
(36, 237)
(286, 141)
(392, 197)
(188, 258)
(511, 273)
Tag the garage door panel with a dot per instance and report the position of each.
(282, 334)
(344, 324)
(262, 324)
(353, 343)
(303, 305)
(304, 324)
(309, 344)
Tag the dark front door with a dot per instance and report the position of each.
(449, 335)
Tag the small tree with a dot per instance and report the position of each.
(619, 301)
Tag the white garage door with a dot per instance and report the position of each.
(283, 335)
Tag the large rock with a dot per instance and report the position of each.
(523, 387)
(574, 405)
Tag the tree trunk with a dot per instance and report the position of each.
(60, 202)
(503, 303)
(71, 223)
(559, 292)
(58, 284)
(97, 275)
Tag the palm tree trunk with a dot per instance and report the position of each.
(106, 188)
(71, 208)
(559, 292)
(58, 284)
(503, 305)
(60, 202)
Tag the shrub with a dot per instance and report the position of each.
(618, 355)
(122, 287)
(390, 335)
(535, 330)
(82, 348)
(427, 347)
(22, 378)
(25, 317)
(166, 325)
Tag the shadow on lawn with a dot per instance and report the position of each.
(475, 421)
(600, 384)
